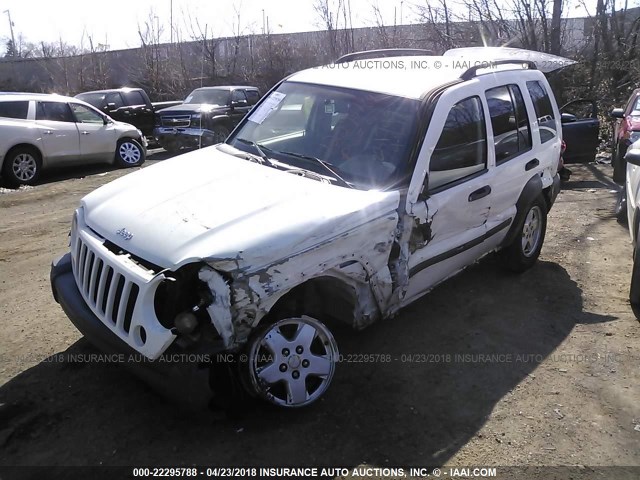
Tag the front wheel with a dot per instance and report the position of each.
(621, 206)
(220, 134)
(634, 290)
(525, 249)
(22, 166)
(129, 153)
(291, 362)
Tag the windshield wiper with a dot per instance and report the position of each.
(258, 148)
(327, 166)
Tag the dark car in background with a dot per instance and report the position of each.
(130, 105)
(206, 117)
(580, 131)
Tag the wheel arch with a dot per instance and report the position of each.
(532, 189)
(332, 296)
(22, 145)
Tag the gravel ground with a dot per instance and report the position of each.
(489, 369)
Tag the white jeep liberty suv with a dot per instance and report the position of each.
(348, 192)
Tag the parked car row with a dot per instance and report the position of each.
(39, 131)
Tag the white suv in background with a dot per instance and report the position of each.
(347, 193)
(40, 130)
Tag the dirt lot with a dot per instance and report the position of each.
(537, 369)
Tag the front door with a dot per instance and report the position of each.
(57, 127)
(451, 213)
(97, 138)
(580, 130)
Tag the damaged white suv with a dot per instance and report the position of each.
(347, 193)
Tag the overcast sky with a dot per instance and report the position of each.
(115, 22)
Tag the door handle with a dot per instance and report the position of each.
(532, 164)
(85, 133)
(48, 132)
(480, 193)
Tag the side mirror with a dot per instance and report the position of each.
(633, 156)
(239, 103)
(568, 118)
(617, 113)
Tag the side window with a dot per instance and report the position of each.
(135, 98)
(544, 111)
(55, 112)
(238, 96)
(253, 96)
(114, 98)
(86, 115)
(14, 109)
(461, 150)
(511, 131)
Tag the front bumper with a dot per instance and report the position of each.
(180, 375)
(184, 137)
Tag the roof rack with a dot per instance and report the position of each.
(382, 53)
(473, 71)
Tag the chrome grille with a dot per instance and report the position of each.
(119, 289)
(176, 121)
(110, 294)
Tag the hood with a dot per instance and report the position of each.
(192, 108)
(238, 214)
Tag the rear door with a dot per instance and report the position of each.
(97, 139)
(580, 130)
(512, 127)
(57, 127)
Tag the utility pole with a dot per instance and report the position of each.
(263, 23)
(171, 19)
(401, 4)
(13, 39)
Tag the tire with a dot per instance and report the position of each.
(525, 249)
(220, 134)
(290, 363)
(129, 153)
(634, 289)
(621, 206)
(619, 166)
(22, 166)
(171, 147)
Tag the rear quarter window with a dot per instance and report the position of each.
(15, 109)
(544, 110)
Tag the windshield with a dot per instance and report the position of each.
(208, 96)
(366, 138)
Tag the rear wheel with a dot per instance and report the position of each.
(171, 146)
(525, 249)
(291, 362)
(129, 153)
(22, 166)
